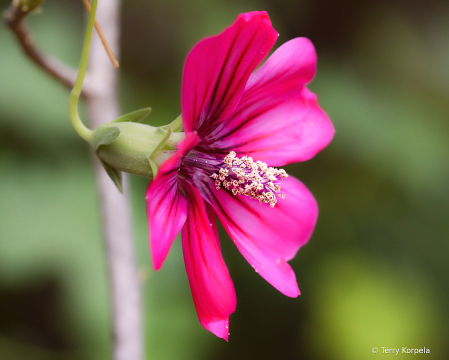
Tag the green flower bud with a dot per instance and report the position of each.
(128, 146)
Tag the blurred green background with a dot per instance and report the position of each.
(375, 273)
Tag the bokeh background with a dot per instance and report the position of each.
(374, 274)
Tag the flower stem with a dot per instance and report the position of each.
(111, 56)
(77, 124)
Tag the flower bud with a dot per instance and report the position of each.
(128, 146)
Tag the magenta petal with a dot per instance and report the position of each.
(166, 210)
(292, 64)
(217, 69)
(279, 120)
(268, 237)
(219, 328)
(166, 206)
(212, 289)
(212, 219)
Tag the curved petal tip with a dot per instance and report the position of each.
(219, 328)
(263, 15)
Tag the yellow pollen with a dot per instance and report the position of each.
(244, 176)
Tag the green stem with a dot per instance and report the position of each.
(77, 124)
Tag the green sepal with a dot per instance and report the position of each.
(154, 167)
(161, 146)
(168, 131)
(114, 174)
(135, 116)
(104, 135)
(176, 125)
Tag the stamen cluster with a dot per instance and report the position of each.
(244, 176)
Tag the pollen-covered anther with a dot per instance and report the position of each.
(244, 176)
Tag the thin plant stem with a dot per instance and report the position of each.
(77, 124)
(114, 61)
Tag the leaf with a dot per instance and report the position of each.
(135, 116)
(114, 174)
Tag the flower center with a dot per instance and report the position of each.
(244, 176)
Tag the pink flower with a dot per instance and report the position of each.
(268, 115)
